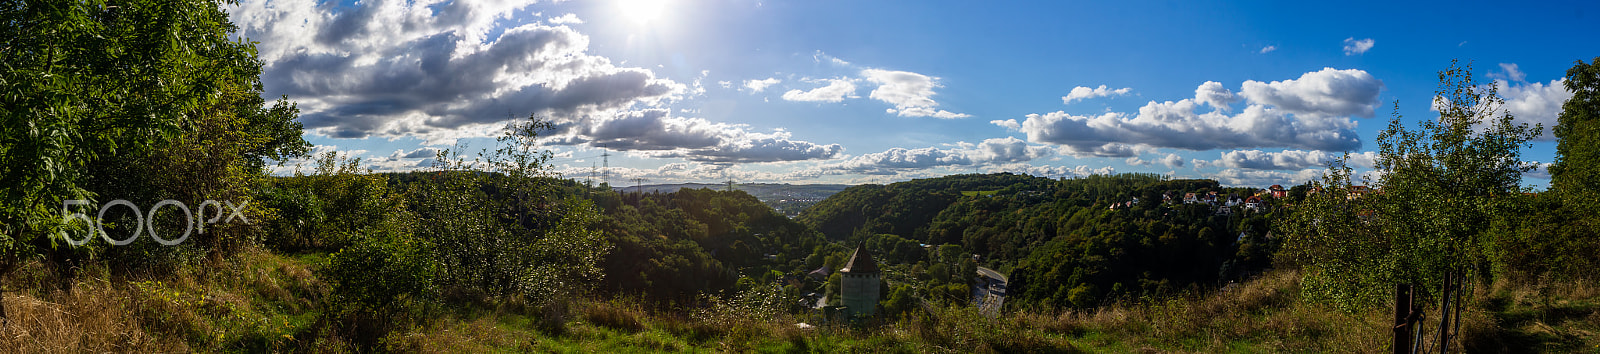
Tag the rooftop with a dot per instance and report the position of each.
(860, 262)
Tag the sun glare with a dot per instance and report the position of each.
(642, 12)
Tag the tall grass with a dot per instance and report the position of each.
(260, 301)
(257, 302)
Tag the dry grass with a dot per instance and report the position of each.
(615, 314)
(1263, 314)
(92, 318)
(1536, 315)
(255, 301)
(474, 336)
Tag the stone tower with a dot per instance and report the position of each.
(859, 285)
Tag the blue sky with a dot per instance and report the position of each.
(1248, 93)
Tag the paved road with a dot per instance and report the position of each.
(989, 291)
(991, 273)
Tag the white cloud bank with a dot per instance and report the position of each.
(1290, 159)
(990, 152)
(1310, 112)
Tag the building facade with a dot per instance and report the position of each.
(859, 283)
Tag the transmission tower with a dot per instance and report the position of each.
(593, 166)
(605, 160)
(638, 185)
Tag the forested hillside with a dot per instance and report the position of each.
(789, 199)
(1069, 242)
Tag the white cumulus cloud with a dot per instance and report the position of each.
(836, 90)
(1353, 46)
(1081, 92)
(1535, 103)
(759, 85)
(1511, 72)
(1009, 124)
(655, 133)
(1212, 93)
(1349, 92)
(910, 93)
(567, 19)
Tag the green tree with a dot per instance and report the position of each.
(1331, 241)
(88, 84)
(499, 229)
(901, 299)
(1441, 186)
(832, 290)
(1553, 233)
(1576, 170)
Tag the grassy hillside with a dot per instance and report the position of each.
(260, 301)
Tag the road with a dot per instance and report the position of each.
(989, 291)
(984, 271)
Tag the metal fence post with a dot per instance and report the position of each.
(1444, 312)
(1402, 318)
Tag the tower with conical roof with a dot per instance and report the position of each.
(859, 285)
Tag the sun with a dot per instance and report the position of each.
(642, 12)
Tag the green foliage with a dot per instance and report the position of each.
(142, 101)
(1061, 240)
(1576, 170)
(1120, 254)
(83, 80)
(1331, 236)
(299, 212)
(672, 247)
(1545, 235)
(498, 227)
(1441, 186)
(902, 300)
(904, 208)
(1552, 233)
(833, 291)
(567, 260)
(324, 210)
(381, 270)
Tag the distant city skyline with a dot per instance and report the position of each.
(836, 92)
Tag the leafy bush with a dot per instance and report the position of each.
(299, 213)
(379, 283)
